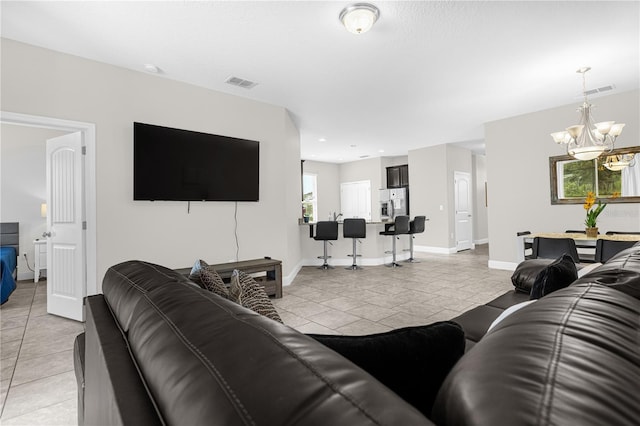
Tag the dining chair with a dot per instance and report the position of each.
(584, 257)
(552, 248)
(527, 246)
(622, 232)
(606, 249)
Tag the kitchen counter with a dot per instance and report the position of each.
(372, 248)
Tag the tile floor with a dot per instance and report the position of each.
(38, 385)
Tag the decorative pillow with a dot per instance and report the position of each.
(213, 282)
(526, 272)
(412, 361)
(557, 275)
(245, 291)
(194, 275)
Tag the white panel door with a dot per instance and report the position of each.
(463, 200)
(66, 273)
(355, 199)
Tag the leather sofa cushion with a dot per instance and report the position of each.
(508, 299)
(411, 361)
(558, 274)
(621, 272)
(125, 284)
(572, 358)
(526, 272)
(207, 360)
(476, 321)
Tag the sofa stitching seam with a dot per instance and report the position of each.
(330, 383)
(552, 368)
(205, 361)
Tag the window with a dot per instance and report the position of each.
(310, 196)
(572, 179)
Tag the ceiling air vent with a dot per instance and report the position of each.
(240, 82)
(600, 90)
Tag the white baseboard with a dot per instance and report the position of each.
(506, 266)
(482, 241)
(435, 250)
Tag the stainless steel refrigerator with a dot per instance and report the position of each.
(393, 202)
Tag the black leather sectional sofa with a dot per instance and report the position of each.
(159, 350)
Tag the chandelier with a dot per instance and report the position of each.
(615, 163)
(586, 141)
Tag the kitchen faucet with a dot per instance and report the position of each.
(335, 218)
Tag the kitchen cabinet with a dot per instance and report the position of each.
(398, 176)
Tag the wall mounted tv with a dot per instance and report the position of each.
(181, 165)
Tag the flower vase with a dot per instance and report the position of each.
(592, 232)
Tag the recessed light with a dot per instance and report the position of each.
(381, 150)
(353, 146)
(151, 68)
(322, 140)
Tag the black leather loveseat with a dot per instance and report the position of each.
(159, 350)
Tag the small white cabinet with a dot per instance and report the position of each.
(40, 256)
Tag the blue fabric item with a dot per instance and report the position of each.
(8, 264)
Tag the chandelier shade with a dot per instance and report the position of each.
(615, 163)
(588, 140)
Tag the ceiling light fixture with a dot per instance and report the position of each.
(151, 68)
(615, 163)
(359, 18)
(586, 141)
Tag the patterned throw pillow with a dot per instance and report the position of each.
(245, 291)
(194, 275)
(213, 282)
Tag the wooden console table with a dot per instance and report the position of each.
(272, 281)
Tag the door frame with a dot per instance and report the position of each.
(88, 131)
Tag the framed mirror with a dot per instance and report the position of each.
(606, 176)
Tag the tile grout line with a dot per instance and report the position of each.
(6, 396)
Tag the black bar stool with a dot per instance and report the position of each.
(398, 227)
(416, 226)
(354, 228)
(326, 231)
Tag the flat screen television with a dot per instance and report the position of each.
(181, 165)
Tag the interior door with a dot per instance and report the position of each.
(66, 274)
(463, 200)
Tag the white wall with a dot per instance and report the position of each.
(518, 151)
(429, 191)
(42, 82)
(480, 217)
(23, 184)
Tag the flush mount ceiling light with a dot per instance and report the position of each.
(586, 141)
(151, 68)
(359, 18)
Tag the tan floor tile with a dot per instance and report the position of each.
(63, 413)
(333, 319)
(31, 396)
(313, 328)
(363, 327)
(29, 369)
(372, 312)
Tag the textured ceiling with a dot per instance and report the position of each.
(427, 73)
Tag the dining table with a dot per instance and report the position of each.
(580, 239)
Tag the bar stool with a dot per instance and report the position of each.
(398, 227)
(416, 226)
(326, 231)
(354, 228)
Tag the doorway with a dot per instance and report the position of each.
(463, 210)
(89, 179)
